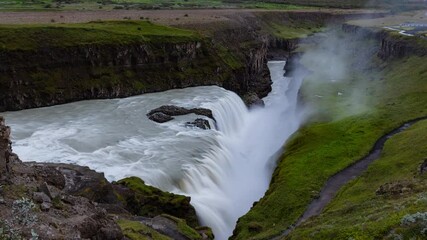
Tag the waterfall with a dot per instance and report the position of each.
(224, 170)
(237, 171)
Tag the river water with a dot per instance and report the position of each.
(224, 170)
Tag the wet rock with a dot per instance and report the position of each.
(252, 100)
(41, 197)
(160, 117)
(200, 123)
(165, 113)
(170, 110)
(203, 112)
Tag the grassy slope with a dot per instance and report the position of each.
(290, 26)
(360, 213)
(321, 149)
(27, 37)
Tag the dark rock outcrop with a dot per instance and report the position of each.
(252, 100)
(200, 123)
(7, 157)
(53, 75)
(57, 214)
(160, 117)
(143, 200)
(125, 197)
(391, 45)
(165, 113)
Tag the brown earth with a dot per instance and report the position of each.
(167, 17)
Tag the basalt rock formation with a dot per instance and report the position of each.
(391, 45)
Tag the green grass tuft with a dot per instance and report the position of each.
(138, 231)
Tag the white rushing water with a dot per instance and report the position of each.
(224, 170)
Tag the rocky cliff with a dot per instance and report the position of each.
(391, 44)
(48, 76)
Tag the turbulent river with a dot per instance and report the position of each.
(224, 170)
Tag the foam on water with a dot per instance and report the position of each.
(224, 170)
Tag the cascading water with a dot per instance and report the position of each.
(224, 170)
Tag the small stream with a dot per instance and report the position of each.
(353, 171)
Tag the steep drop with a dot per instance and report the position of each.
(224, 170)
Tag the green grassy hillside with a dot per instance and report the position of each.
(377, 204)
(338, 135)
(26, 37)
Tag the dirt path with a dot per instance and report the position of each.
(334, 183)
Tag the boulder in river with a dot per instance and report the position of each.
(160, 117)
(200, 123)
(164, 113)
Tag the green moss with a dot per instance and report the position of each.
(183, 228)
(30, 37)
(287, 31)
(138, 231)
(138, 185)
(327, 145)
(206, 230)
(149, 201)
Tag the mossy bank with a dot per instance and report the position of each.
(341, 131)
(47, 65)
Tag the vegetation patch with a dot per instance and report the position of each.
(148, 201)
(183, 228)
(330, 142)
(135, 230)
(362, 210)
(30, 37)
